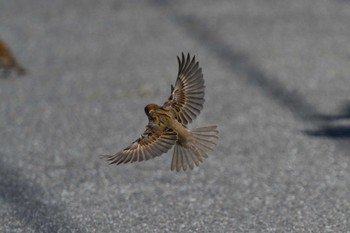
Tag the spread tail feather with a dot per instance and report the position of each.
(193, 153)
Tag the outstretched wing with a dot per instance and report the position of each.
(187, 98)
(150, 144)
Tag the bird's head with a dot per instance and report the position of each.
(149, 110)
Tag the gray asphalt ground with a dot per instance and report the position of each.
(278, 85)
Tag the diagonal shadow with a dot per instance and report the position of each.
(240, 63)
(249, 72)
(26, 200)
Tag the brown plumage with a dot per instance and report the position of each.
(167, 124)
(8, 62)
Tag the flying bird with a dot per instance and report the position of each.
(8, 62)
(167, 124)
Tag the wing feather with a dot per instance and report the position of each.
(150, 144)
(187, 97)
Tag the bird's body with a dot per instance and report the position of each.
(8, 62)
(167, 124)
(165, 119)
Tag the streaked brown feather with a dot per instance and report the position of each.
(150, 144)
(187, 97)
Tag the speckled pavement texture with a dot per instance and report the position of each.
(277, 79)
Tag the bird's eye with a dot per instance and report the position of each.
(151, 113)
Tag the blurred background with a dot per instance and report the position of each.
(277, 86)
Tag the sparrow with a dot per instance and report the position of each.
(8, 62)
(167, 124)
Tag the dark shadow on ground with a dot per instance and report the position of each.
(333, 126)
(335, 132)
(27, 204)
